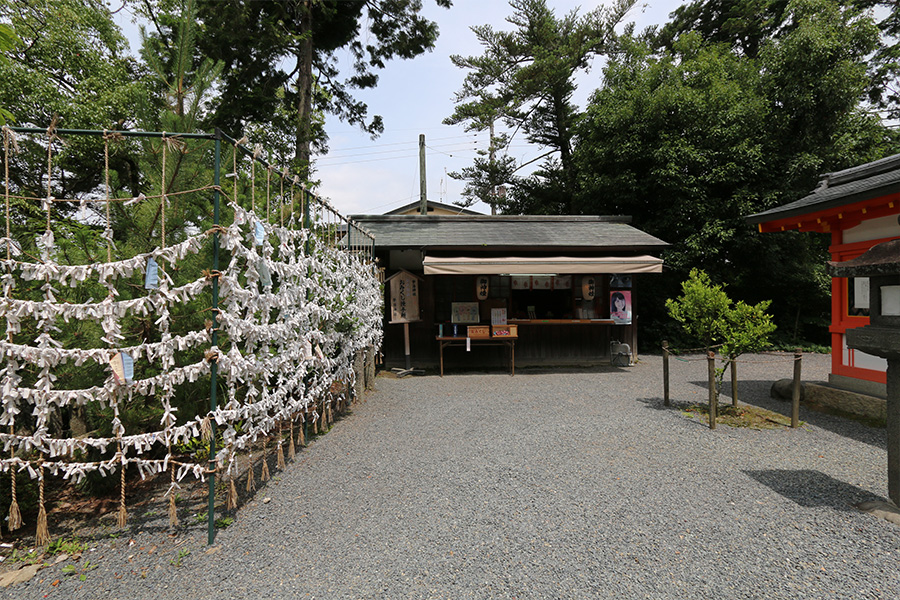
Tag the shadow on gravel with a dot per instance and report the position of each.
(657, 403)
(756, 393)
(569, 370)
(812, 489)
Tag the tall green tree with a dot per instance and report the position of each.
(281, 60)
(525, 78)
(691, 140)
(8, 41)
(71, 69)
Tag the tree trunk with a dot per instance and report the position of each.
(304, 88)
(565, 152)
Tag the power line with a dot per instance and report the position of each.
(462, 145)
(452, 137)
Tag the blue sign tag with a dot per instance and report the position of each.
(259, 233)
(128, 368)
(151, 278)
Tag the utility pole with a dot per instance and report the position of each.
(491, 158)
(423, 196)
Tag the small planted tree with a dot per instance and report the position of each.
(747, 329)
(706, 312)
(701, 309)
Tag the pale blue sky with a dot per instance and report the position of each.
(360, 175)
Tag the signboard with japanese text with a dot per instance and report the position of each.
(404, 298)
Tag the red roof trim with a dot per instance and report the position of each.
(839, 217)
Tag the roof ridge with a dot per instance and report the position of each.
(864, 171)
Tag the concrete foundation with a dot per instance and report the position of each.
(828, 396)
(860, 386)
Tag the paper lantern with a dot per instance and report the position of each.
(481, 287)
(589, 287)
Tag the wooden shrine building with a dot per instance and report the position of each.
(548, 280)
(858, 208)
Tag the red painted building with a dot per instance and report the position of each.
(858, 208)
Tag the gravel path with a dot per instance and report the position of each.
(548, 484)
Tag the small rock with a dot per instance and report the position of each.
(266, 500)
(20, 576)
(882, 510)
(783, 389)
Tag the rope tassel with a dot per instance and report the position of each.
(264, 473)
(42, 533)
(173, 510)
(231, 496)
(251, 483)
(122, 518)
(15, 517)
(279, 456)
(292, 450)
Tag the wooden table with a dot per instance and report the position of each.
(508, 341)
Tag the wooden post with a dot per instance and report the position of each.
(406, 345)
(713, 397)
(795, 395)
(734, 400)
(665, 346)
(893, 429)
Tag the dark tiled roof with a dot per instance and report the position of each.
(432, 206)
(856, 184)
(503, 232)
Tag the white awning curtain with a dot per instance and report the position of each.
(512, 265)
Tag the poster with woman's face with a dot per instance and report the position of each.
(620, 306)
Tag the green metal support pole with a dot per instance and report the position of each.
(214, 367)
(305, 199)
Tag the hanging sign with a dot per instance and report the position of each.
(151, 277)
(404, 297)
(588, 287)
(259, 233)
(481, 287)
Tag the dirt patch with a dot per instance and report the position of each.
(750, 417)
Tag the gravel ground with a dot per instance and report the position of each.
(549, 484)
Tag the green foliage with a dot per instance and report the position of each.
(746, 329)
(80, 571)
(8, 41)
(253, 39)
(66, 546)
(706, 312)
(182, 554)
(526, 78)
(692, 138)
(72, 70)
(702, 309)
(70, 51)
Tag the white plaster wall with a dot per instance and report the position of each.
(861, 360)
(873, 229)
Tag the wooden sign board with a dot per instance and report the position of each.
(404, 297)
